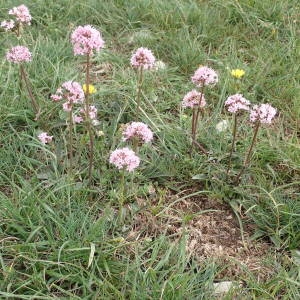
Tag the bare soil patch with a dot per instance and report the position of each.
(213, 233)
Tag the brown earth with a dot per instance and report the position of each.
(213, 233)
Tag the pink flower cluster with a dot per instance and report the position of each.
(263, 113)
(124, 158)
(73, 91)
(8, 25)
(85, 39)
(205, 76)
(18, 54)
(144, 58)
(45, 138)
(70, 91)
(137, 130)
(22, 15)
(92, 112)
(237, 102)
(58, 95)
(192, 99)
(77, 119)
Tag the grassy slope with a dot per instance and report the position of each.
(48, 227)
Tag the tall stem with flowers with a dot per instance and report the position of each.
(235, 104)
(197, 110)
(20, 54)
(138, 133)
(86, 40)
(72, 93)
(203, 76)
(87, 116)
(196, 101)
(125, 160)
(259, 114)
(142, 59)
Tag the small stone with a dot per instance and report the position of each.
(222, 287)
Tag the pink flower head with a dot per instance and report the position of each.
(137, 130)
(21, 13)
(263, 113)
(45, 138)
(73, 91)
(8, 25)
(56, 97)
(77, 119)
(124, 158)
(18, 54)
(67, 106)
(92, 112)
(237, 102)
(144, 58)
(205, 76)
(85, 39)
(193, 98)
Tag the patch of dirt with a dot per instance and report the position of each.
(6, 190)
(213, 233)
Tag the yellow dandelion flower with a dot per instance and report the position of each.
(237, 73)
(92, 89)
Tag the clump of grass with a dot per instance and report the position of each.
(20, 54)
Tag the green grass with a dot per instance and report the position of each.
(61, 239)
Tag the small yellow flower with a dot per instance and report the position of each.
(237, 73)
(92, 89)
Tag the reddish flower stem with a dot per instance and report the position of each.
(88, 119)
(193, 123)
(247, 159)
(195, 120)
(233, 141)
(71, 140)
(29, 90)
(139, 91)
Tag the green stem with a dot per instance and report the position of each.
(247, 159)
(233, 141)
(139, 91)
